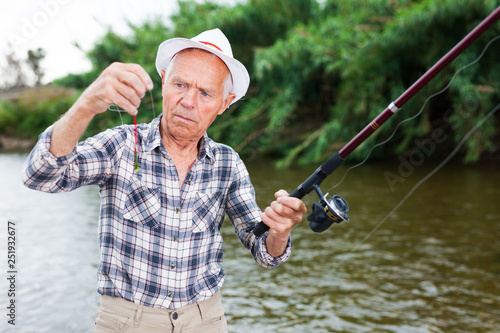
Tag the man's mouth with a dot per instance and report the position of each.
(184, 118)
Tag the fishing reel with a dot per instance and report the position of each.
(327, 211)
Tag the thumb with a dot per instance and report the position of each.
(280, 193)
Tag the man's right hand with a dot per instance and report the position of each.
(121, 84)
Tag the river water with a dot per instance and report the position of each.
(418, 255)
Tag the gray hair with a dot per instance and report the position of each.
(227, 84)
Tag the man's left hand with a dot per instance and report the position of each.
(281, 217)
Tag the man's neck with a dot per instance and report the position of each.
(182, 152)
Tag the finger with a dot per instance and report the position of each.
(127, 103)
(273, 214)
(275, 222)
(131, 75)
(283, 210)
(294, 203)
(129, 93)
(133, 81)
(126, 91)
(141, 73)
(280, 193)
(282, 214)
(113, 95)
(140, 76)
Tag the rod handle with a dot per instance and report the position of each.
(260, 229)
(308, 185)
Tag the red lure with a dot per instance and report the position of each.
(136, 169)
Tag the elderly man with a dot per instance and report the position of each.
(165, 188)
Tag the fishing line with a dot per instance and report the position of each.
(420, 111)
(152, 103)
(423, 180)
(115, 108)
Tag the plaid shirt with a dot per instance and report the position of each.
(160, 245)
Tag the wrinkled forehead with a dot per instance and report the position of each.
(199, 68)
(199, 52)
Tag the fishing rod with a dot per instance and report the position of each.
(326, 212)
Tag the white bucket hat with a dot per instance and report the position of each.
(213, 41)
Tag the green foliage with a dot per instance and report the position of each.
(31, 113)
(330, 78)
(322, 70)
(77, 81)
(249, 26)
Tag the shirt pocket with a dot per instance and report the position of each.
(206, 211)
(142, 204)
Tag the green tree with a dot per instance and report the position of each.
(321, 72)
(328, 79)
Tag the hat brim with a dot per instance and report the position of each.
(239, 74)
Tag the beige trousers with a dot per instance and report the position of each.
(119, 315)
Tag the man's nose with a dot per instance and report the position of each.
(188, 99)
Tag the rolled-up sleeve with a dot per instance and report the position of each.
(265, 259)
(87, 164)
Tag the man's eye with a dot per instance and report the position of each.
(204, 94)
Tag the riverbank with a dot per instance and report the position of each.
(22, 145)
(15, 145)
(26, 112)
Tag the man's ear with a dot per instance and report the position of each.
(227, 102)
(162, 78)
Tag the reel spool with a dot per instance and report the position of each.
(326, 212)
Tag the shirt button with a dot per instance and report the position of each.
(175, 315)
(175, 239)
(169, 294)
(189, 181)
(177, 211)
(172, 266)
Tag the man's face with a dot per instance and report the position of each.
(193, 95)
